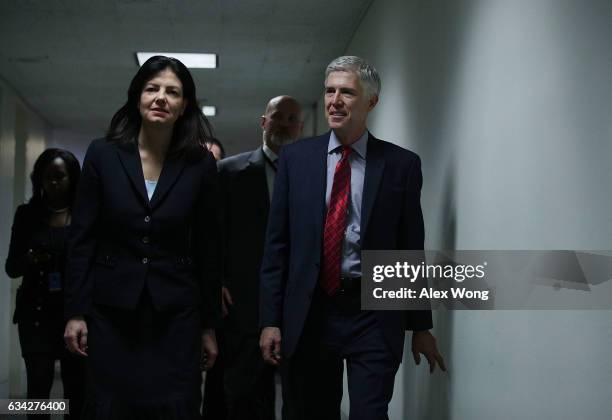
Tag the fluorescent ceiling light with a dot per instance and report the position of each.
(209, 111)
(192, 61)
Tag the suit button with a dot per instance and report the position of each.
(145, 240)
(145, 260)
(147, 219)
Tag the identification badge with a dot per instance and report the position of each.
(55, 281)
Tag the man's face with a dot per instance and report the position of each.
(346, 103)
(282, 123)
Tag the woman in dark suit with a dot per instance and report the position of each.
(143, 288)
(38, 253)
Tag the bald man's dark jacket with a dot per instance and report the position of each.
(245, 207)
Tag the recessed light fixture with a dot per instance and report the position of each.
(192, 61)
(209, 111)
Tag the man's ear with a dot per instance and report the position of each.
(262, 121)
(372, 103)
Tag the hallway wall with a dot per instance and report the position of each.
(509, 105)
(74, 141)
(23, 137)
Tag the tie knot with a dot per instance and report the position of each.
(346, 151)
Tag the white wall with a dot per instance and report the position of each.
(23, 136)
(74, 141)
(509, 104)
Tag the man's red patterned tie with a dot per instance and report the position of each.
(335, 224)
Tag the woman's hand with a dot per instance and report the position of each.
(75, 335)
(209, 349)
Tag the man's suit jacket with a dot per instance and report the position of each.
(391, 218)
(121, 242)
(246, 202)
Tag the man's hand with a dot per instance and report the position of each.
(209, 349)
(226, 301)
(75, 335)
(424, 342)
(270, 345)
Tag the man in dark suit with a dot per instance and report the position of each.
(334, 196)
(247, 181)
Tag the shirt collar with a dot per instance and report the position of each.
(270, 153)
(360, 146)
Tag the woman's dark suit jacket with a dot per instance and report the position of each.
(121, 242)
(37, 310)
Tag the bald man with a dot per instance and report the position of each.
(247, 183)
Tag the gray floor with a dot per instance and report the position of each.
(58, 389)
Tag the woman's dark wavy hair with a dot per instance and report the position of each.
(73, 167)
(191, 130)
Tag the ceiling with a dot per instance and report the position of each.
(72, 61)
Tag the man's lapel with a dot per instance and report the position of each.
(257, 163)
(375, 166)
(319, 180)
(130, 160)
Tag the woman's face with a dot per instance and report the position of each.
(161, 100)
(55, 180)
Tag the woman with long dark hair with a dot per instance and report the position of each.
(38, 253)
(143, 288)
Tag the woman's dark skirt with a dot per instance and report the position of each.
(143, 364)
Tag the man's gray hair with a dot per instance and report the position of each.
(366, 72)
